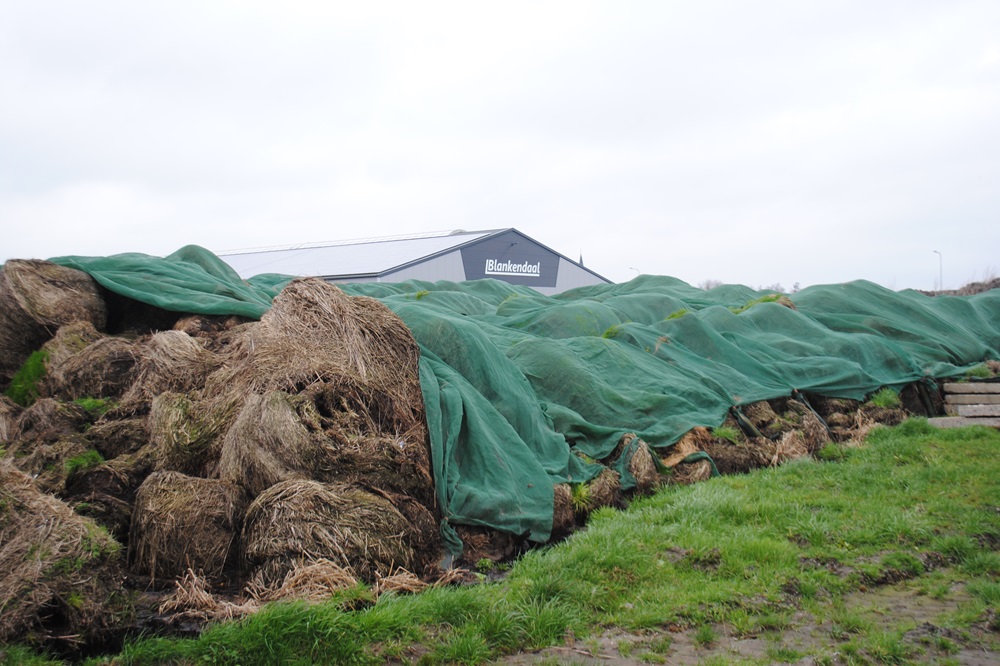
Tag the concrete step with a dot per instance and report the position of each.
(962, 422)
(972, 387)
(972, 399)
(978, 410)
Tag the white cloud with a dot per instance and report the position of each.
(749, 142)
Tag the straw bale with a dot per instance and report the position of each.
(48, 420)
(643, 468)
(183, 438)
(760, 413)
(315, 334)
(273, 439)
(693, 441)
(563, 514)
(688, 473)
(117, 437)
(36, 298)
(102, 369)
(106, 492)
(191, 601)
(168, 361)
(792, 445)
(826, 406)
(207, 327)
(59, 573)
(9, 413)
(277, 437)
(69, 340)
(606, 490)
(46, 461)
(315, 580)
(181, 522)
(301, 521)
(399, 581)
(486, 543)
(425, 535)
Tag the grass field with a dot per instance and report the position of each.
(885, 553)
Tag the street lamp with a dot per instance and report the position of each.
(940, 271)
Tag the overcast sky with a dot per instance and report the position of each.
(748, 142)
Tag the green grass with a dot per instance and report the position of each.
(23, 387)
(734, 555)
(83, 462)
(96, 407)
(886, 398)
(769, 298)
(980, 371)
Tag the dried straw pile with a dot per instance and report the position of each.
(36, 298)
(181, 522)
(300, 521)
(104, 368)
(169, 361)
(59, 572)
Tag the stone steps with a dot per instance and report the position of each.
(970, 403)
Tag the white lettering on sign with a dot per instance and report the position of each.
(494, 267)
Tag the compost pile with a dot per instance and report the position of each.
(180, 446)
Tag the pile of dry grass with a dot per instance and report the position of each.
(48, 420)
(107, 491)
(301, 521)
(399, 581)
(563, 511)
(191, 601)
(183, 436)
(9, 413)
(641, 465)
(169, 361)
(68, 341)
(605, 490)
(315, 580)
(36, 298)
(59, 572)
(181, 522)
(104, 368)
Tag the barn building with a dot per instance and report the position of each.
(503, 254)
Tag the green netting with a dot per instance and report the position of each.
(517, 385)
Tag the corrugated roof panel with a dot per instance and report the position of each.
(345, 259)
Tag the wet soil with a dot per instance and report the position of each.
(806, 640)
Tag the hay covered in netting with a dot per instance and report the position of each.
(181, 522)
(59, 572)
(36, 298)
(300, 521)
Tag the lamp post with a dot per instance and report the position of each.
(940, 271)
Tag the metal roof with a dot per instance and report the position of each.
(366, 257)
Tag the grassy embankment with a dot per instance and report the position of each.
(739, 556)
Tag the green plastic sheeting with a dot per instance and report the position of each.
(523, 391)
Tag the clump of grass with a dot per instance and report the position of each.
(980, 371)
(727, 433)
(704, 636)
(769, 298)
(611, 332)
(23, 387)
(96, 407)
(83, 462)
(886, 398)
(677, 314)
(420, 294)
(580, 497)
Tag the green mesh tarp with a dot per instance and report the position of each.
(517, 385)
